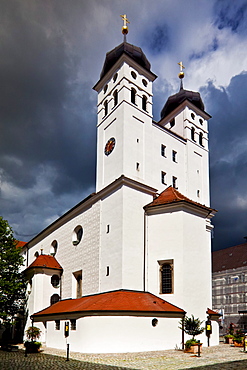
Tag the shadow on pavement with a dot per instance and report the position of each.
(231, 365)
(41, 361)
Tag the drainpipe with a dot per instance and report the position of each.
(144, 252)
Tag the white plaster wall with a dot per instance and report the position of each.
(183, 238)
(84, 256)
(117, 334)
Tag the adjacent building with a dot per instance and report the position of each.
(230, 285)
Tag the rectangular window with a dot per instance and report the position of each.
(107, 229)
(166, 277)
(163, 150)
(174, 156)
(57, 324)
(163, 177)
(73, 324)
(174, 182)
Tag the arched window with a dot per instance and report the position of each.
(133, 95)
(77, 235)
(144, 103)
(106, 107)
(55, 281)
(53, 249)
(115, 95)
(54, 299)
(193, 133)
(201, 138)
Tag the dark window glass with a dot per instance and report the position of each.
(115, 95)
(55, 281)
(166, 278)
(133, 95)
(54, 299)
(144, 103)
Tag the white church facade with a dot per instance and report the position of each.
(127, 263)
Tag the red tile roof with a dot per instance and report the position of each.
(211, 312)
(44, 260)
(120, 301)
(171, 195)
(20, 244)
(230, 258)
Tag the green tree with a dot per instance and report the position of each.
(192, 326)
(12, 282)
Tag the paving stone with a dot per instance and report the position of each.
(222, 357)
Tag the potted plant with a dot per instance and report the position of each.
(32, 346)
(238, 339)
(230, 336)
(192, 326)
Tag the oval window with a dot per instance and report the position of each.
(55, 281)
(54, 299)
(133, 74)
(53, 248)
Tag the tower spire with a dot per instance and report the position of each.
(125, 29)
(181, 74)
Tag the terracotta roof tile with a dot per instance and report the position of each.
(211, 312)
(230, 258)
(171, 195)
(44, 260)
(119, 300)
(20, 244)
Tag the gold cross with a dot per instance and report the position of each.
(181, 66)
(125, 20)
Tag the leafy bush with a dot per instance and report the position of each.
(190, 342)
(33, 333)
(191, 326)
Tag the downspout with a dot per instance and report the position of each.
(144, 252)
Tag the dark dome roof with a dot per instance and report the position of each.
(175, 100)
(132, 51)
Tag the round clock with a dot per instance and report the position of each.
(110, 146)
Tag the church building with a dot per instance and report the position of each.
(125, 265)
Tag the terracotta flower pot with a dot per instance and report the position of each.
(193, 348)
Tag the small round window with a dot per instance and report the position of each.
(36, 254)
(154, 322)
(192, 116)
(133, 74)
(55, 281)
(77, 235)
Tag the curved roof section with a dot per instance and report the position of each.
(134, 52)
(121, 301)
(175, 100)
(45, 261)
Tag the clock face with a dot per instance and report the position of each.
(110, 146)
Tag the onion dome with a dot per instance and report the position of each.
(175, 100)
(132, 51)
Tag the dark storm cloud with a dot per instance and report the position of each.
(157, 39)
(228, 153)
(231, 14)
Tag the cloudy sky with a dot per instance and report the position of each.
(51, 54)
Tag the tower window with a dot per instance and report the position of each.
(172, 122)
(192, 116)
(163, 178)
(174, 182)
(107, 270)
(53, 249)
(105, 88)
(106, 107)
(193, 133)
(115, 77)
(55, 281)
(166, 277)
(54, 299)
(163, 150)
(201, 121)
(137, 166)
(107, 229)
(144, 82)
(174, 156)
(115, 95)
(78, 278)
(133, 95)
(133, 74)
(201, 138)
(144, 103)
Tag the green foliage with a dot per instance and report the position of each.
(192, 326)
(190, 342)
(32, 347)
(33, 333)
(12, 283)
(238, 336)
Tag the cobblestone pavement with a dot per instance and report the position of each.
(222, 357)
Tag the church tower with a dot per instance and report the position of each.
(124, 114)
